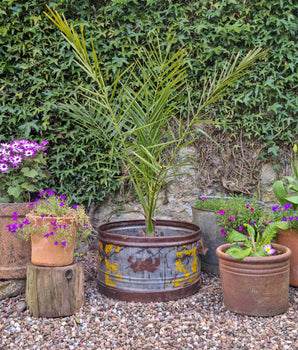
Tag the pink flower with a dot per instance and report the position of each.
(223, 232)
(221, 212)
(231, 218)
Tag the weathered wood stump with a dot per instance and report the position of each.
(54, 291)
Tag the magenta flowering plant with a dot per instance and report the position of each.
(62, 217)
(256, 244)
(21, 168)
(233, 212)
(286, 213)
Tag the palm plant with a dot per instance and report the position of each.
(138, 114)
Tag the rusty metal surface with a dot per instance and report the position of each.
(206, 220)
(163, 267)
(169, 233)
(152, 295)
(14, 253)
(255, 286)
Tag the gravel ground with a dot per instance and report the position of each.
(196, 322)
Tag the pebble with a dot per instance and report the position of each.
(197, 322)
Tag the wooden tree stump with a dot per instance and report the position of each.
(54, 291)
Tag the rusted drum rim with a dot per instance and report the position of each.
(286, 254)
(151, 295)
(105, 234)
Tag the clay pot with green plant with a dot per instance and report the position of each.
(255, 272)
(53, 226)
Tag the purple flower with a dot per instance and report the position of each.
(221, 212)
(203, 198)
(62, 197)
(231, 218)
(291, 218)
(284, 219)
(223, 232)
(247, 206)
(269, 250)
(251, 209)
(275, 208)
(63, 243)
(51, 193)
(240, 228)
(61, 204)
(75, 206)
(56, 243)
(287, 206)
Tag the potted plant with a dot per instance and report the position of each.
(137, 117)
(21, 168)
(288, 212)
(255, 273)
(217, 216)
(53, 227)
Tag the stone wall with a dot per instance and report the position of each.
(176, 201)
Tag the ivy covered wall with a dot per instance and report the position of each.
(37, 72)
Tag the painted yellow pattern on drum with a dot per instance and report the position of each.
(111, 275)
(188, 277)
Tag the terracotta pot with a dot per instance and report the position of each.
(44, 250)
(134, 267)
(14, 253)
(255, 286)
(289, 238)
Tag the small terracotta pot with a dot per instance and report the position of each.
(289, 238)
(44, 251)
(255, 286)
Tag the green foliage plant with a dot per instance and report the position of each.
(233, 212)
(257, 244)
(37, 69)
(286, 213)
(142, 110)
(22, 167)
(57, 209)
(281, 190)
